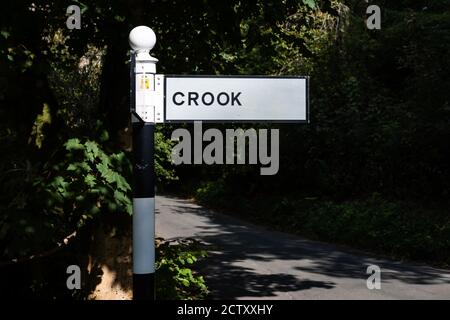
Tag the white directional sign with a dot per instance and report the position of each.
(235, 98)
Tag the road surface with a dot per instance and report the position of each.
(251, 262)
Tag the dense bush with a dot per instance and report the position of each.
(57, 197)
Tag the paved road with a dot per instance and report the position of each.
(250, 262)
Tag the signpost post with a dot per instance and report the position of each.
(157, 98)
(143, 69)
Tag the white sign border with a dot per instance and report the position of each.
(307, 121)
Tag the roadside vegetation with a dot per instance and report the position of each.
(371, 169)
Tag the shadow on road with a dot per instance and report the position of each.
(240, 253)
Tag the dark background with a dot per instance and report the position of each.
(371, 169)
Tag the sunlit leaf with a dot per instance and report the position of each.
(73, 144)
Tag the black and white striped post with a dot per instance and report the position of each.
(142, 72)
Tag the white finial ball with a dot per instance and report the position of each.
(142, 38)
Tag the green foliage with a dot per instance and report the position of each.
(210, 192)
(74, 81)
(403, 229)
(37, 133)
(91, 179)
(379, 101)
(310, 3)
(175, 278)
(62, 194)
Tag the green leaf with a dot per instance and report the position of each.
(92, 150)
(90, 180)
(105, 159)
(129, 208)
(73, 144)
(119, 196)
(78, 166)
(185, 272)
(72, 167)
(102, 168)
(310, 3)
(185, 282)
(122, 184)
(110, 176)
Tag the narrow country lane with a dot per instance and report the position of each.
(251, 262)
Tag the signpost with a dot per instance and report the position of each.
(157, 98)
(143, 69)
